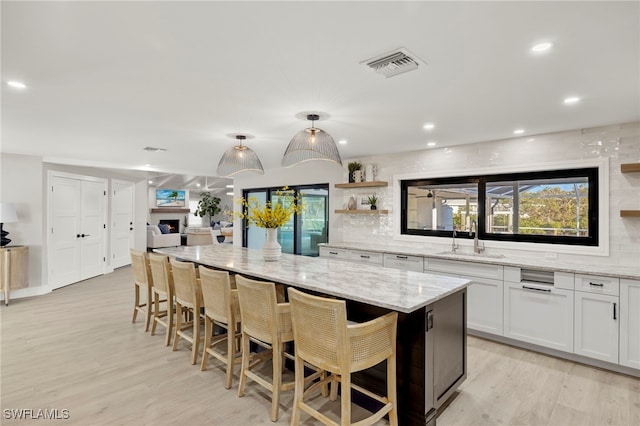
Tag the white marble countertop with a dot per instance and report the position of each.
(539, 262)
(401, 291)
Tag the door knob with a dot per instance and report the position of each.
(77, 235)
(130, 229)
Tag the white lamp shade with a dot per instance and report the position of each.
(8, 213)
(311, 144)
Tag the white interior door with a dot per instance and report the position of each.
(64, 263)
(122, 215)
(77, 233)
(92, 257)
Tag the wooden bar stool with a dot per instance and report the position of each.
(163, 291)
(188, 299)
(142, 282)
(324, 339)
(220, 308)
(268, 324)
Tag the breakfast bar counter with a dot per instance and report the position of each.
(431, 345)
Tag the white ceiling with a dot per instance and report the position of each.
(106, 79)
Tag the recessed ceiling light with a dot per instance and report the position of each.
(229, 186)
(518, 131)
(150, 182)
(429, 126)
(431, 144)
(229, 193)
(541, 47)
(198, 185)
(571, 100)
(16, 84)
(342, 142)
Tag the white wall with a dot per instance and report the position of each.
(21, 184)
(313, 172)
(617, 144)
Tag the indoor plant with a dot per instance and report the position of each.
(373, 201)
(353, 166)
(271, 216)
(207, 206)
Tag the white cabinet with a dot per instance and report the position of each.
(630, 323)
(597, 284)
(484, 294)
(596, 326)
(334, 253)
(539, 313)
(404, 262)
(369, 257)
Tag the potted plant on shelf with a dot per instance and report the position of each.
(373, 201)
(271, 216)
(353, 166)
(207, 206)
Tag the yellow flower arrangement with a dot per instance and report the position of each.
(270, 215)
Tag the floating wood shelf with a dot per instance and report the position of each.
(362, 184)
(170, 210)
(630, 167)
(629, 213)
(362, 211)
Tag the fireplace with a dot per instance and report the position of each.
(174, 225)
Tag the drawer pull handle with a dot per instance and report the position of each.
(596, 284)
(401, 257)
(365, 257)
(333, 252)
(546, 290)
(614, 311)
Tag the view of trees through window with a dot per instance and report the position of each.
(554, 206)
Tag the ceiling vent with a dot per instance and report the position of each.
(153, 149)
(393, 63)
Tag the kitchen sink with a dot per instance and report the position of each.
(478, 255)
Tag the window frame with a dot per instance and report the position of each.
(590, 172)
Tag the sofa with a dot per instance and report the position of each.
(199, 236)
(156, 239)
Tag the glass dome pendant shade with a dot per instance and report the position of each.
(239, 159)
(311, 144)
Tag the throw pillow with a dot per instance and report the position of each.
(164, 228)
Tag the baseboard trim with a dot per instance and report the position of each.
(26, 292)
(556, 353)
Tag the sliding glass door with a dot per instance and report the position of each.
(303, 232)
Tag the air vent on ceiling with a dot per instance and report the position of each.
(153, 149)
(393, 63)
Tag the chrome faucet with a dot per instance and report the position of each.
(454, 244)
(478, 246)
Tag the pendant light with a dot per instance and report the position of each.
(239, 159)
(311, 144)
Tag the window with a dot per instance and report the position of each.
(303, 232)
(557, 207)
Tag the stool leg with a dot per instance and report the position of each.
(196, 337)
(208, 325)
(156, 309)
(345, 399)
(178, 325)
(298, 390)
(276, 357)
(136, 302)
(245, 364)
(391, 390)
(170, 314)
(231, 332)
(147, 320)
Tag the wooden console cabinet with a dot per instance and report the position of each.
(13, 269)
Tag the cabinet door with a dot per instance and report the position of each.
(406, 263)
(596, 326)
(484, 308)
(630, 323)
(539, 314)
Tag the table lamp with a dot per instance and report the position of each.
(7, 214)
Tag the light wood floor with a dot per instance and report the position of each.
(76, 349)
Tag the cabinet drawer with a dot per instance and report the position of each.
(469, 269)
(365, 257)
(334, 253)
(597, 284)
(406, 263)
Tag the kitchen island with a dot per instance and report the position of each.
(431, 345)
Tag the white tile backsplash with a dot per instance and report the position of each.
(619, 143)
